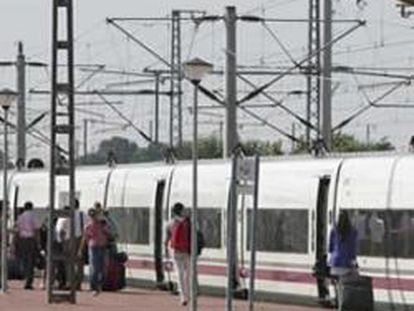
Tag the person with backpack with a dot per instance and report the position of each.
(178, 239)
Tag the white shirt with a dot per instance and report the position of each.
(27, 224)
(63, 225)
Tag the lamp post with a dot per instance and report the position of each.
(6, 99)
(195, 70)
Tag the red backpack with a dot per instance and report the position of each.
(180, 235)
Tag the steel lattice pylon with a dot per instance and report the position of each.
(62, 159)
(176, 114)
(313, 71)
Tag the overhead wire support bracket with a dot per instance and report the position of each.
(204, 90)
(263, 121)
(371, 103)
(279, 104)
(350, 70)
(305, 20)
(113, 22)
(108, 92)
(121, 115)
(258, 90)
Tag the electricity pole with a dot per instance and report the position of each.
(314, 72)
(326, 81)
(21, 65)
(230, 137)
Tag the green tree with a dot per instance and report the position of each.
(212, 148)
(263, 148)
(208, 148)
(120, 149)
(154, 152)
(348, 143)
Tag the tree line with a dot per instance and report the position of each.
(122, 150)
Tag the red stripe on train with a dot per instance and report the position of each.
(280, 275)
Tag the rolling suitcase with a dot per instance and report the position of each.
(115, 276)
(356, 293)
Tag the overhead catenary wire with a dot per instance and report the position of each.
(190, 49)
(203, 90)
(122, 116)
(383, 106)
(280, 43)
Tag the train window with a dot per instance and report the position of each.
(384, 232)
(277, 230)
(209, 220)
(132, 224)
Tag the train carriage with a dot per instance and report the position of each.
(298, 200)
(377, 192)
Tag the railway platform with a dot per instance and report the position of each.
(134, 299)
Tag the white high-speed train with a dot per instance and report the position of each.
(298, 200)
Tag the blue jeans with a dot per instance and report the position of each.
(96, 266)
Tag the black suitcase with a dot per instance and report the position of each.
(356, 293)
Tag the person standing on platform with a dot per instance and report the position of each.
(342, 249)
(95, 237)
(178, 238)
(28, 232)
(63, 234)
(80, 223)
(99, 210)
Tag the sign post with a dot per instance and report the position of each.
(253, 229)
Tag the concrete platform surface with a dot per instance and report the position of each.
(17, 299)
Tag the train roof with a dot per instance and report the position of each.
(284, 158)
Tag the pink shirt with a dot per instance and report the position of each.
(27, 224)
(96, 234)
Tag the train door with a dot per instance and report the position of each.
(158, 229)
(321, 233)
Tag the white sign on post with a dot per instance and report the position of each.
(246, 175)
(246, 170)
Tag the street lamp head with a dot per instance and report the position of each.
(7, 97)
(196, 68)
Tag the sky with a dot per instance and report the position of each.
(383, 45)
